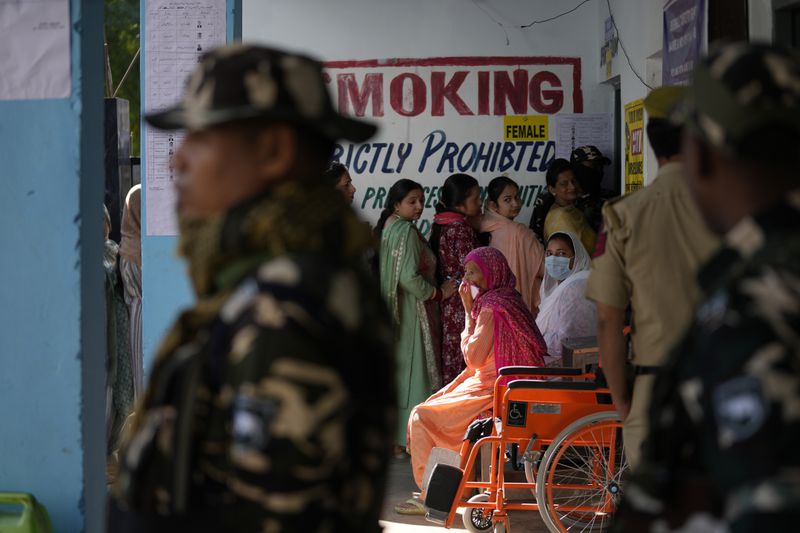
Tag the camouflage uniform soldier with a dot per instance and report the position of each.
(271, 404)
(723, 450)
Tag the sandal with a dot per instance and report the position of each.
(411, 506)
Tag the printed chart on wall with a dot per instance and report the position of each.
(634, 146)
(571, 130)
(484, 116)
(177, 33)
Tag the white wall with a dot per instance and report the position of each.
(760, 20)
(640, 25)
(375, 29)
(53, 321)
(387, 29)
(369, 29)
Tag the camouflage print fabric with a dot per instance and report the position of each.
(588, 153)
(725, 414)
(541, 206)
(592, 208)
(738, 89)
(722, 453)
(271, 406)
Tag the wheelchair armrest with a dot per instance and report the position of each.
(553, 385)
(539, 371)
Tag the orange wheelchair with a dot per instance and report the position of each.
(573, 455)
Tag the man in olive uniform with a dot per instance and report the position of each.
(655, 242)
(270, 407)
(723, 450)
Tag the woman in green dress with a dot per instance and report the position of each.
(408, 283)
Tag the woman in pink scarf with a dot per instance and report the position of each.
(500, 331)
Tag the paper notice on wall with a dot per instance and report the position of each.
(34, 49)
(571, 130)
(177, 33)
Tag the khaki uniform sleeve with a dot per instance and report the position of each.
(608, 284)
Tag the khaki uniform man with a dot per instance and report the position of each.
(655, 242)
(723, 449)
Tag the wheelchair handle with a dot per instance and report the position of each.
(552, 385)
(539, 371)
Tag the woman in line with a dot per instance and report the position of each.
(452, 238)
(339, 176)
(564, 216)
(565, 312)
(408, 283)
(500, 331)
(520, 246)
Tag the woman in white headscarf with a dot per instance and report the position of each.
(564, 311)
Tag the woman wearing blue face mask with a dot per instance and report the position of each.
(564, 312)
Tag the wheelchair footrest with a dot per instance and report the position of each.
(442, 492)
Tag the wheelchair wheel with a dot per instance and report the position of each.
(580, 478)
(478, 520)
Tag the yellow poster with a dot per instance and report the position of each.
(525, 128)
(634, 146)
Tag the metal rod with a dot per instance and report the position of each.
(124, 76)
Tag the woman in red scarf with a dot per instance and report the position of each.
(452, 238)
(500, 331)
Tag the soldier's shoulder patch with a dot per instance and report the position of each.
(237, 302)
(252, 418)
(740, 409)
(711, 314)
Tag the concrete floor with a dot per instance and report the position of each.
(401, 485)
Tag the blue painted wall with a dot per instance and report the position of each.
(165, 287)
(52, 373)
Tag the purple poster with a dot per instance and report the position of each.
(684, 24)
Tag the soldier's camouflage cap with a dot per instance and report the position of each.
(239, 82)
(588, 153)
(738, 89)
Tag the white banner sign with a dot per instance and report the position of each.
(484, 116)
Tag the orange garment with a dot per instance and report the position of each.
(443, 418)
(522, 250)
